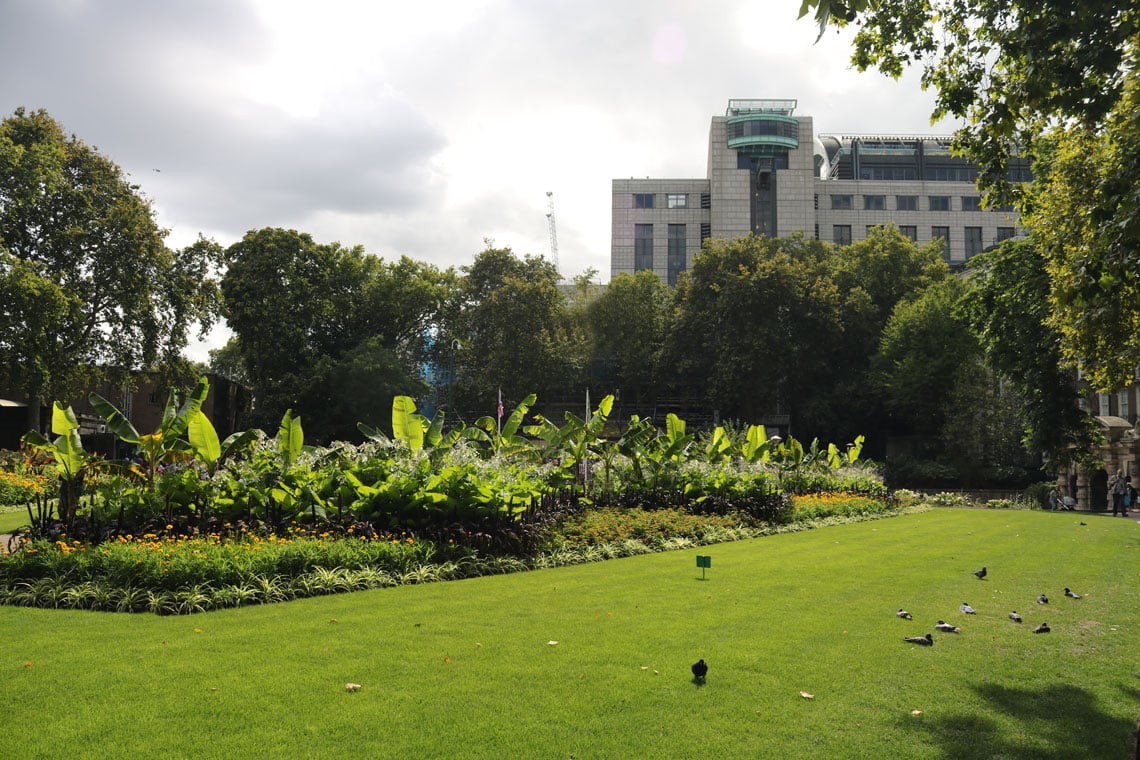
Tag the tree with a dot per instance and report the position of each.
(626, 325)
(508, 328)
(82, 236)
(873, 275)
(302, 310)
(753, 326)
(1054, 80)
(1006, 308)
(922, 348)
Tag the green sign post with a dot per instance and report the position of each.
(703, 562)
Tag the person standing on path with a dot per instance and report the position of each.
(1118, 487)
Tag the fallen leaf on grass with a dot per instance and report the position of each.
(27, 664)
(916, 712)
(446, 660)
(645, 667)
(478, 644)
(352, 687)
(197, 630)
(805, 695)
(552, 643)
(333, 620)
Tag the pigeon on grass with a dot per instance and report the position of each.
(700, 669)
(1071, 594)
(1015, 617)
(1043, 628)
(967, 609)
(925, 641)
(1042, 599)
(945, 627)
(980, 573)
(904, 614)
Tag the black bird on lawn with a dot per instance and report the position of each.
(1015, 617)
(904, 614)
(926, 641)
(980, 573)
(1042, 599)
(945, 627)
(1043, 628)
(1071, 594)
(700, 669)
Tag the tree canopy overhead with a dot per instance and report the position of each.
(1054, 80)
(84, 246)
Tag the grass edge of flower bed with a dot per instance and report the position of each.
(63, 593)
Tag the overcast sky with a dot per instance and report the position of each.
(422, 128)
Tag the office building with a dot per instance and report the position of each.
(770, 174)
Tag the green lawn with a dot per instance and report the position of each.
(466, 668)
(13, 519)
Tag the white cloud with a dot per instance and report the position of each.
(419, 129)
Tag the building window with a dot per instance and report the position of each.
(643, 200)
(841, 202)
(706, 200)
(1123, 405)
(676, 251)
(906, 202)
(971, 203)
(973, 241)
(1005, 233)
(706, 231)
(910, 232)
(1103, 404)
(677, 200)
(874, 202)
(1083, 404)
(888, 173)
(940, 203)
(841, 233)
(642, 247)
(952, 174)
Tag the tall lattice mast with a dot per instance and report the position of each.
(553, 228)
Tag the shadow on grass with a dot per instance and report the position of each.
(1061, 722)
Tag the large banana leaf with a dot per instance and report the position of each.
(290, 438)
(407, 426)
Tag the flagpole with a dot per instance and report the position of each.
(585, 460)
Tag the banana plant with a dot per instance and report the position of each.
(414, 429)
(577, 440)
(719, 448)
(757, 445)
(203, 439)
(163, 446)
(506, 441)
(71, 461)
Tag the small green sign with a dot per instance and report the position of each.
(704, 560)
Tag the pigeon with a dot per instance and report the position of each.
(1042, 599)
(980, 573)
(926, 641)
(1015, 617)
(1043, 628)
(946, 627)
(1071, 594)
(904, 614)
(700, 669)
(966, 608)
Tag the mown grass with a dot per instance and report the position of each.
(465, 668)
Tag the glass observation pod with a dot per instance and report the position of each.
(762, 127)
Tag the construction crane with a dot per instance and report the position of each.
(553, 228)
